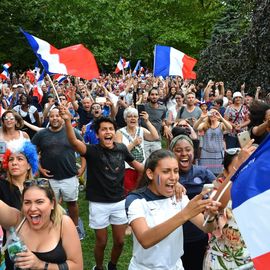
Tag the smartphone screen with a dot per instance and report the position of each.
(141, 108)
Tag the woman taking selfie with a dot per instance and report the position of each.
(156, 217)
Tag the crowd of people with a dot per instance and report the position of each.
(135, 140)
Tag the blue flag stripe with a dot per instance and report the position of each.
(162, 61)
(253, 177)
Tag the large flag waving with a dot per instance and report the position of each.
(251, 204)
(74, 60)
(169, 61)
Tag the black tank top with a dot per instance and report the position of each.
(57, 255)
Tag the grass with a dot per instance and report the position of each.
(89, 242)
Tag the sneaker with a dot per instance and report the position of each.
(80, 233)
(95, 268)
(111, 266)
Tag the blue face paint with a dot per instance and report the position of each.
(158, 180)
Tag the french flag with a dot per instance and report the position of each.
(137, 67)
(122, 63)
(169, 61)
(74, 60)
(4, 75)
(59, 78)
(7, 66)
(37, 91)
(251, 204)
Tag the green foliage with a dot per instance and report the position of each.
(239, 47)
(108, 28)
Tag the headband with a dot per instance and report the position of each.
(180, 137)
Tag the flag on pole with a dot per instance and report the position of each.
(74, 60)
(4, 75)
(59, 78)
(120, 65)
(137, 67)
(127, 64)
(7, 66)
(37, 91)
(251, 204)
(169, 61)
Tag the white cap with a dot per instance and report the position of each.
(237, 94)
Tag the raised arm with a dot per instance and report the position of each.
(77, 145)
(9, 216)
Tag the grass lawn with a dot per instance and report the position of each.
(89, 240)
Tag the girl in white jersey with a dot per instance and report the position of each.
(156, 217)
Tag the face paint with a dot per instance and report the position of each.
(158, 180)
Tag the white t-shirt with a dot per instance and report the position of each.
(166, 255)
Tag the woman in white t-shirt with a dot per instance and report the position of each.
(156, 218)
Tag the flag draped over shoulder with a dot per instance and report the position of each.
(169, 61)
(74, 60)
(251, 204)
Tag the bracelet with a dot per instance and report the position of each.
(46, 266)
(234, 168)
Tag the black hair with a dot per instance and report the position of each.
(103, 119)
(257, 111)
(152, 162)
(228, 158)
(28, 98)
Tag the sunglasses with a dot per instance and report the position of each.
(40, 182)
(183, 126)
(9, 118)
(232, 151)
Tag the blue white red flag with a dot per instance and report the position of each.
(59, 78)
(37, 91)
(169, 61)
(251, 204)
(4, 75)
(137, 67)
(74, 60)
(7, 66)
(120, 65)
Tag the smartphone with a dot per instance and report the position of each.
(3, 147)
(243, 138)
(141, 108)
(208, 187)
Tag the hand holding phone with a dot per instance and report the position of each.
(243, 138)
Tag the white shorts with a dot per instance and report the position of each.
(67, 189)
(101, 215)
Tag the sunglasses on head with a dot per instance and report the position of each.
(232, 151)
(40, 182)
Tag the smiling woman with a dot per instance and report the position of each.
(156, 217)
(192, 177)
(42, 216)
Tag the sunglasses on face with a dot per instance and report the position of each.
(183, 126)
(232, 151)
(9, 118)
(40, 182)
